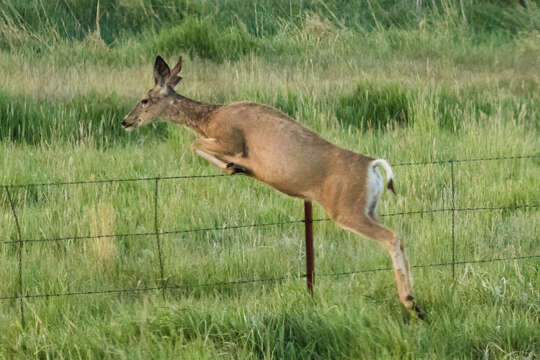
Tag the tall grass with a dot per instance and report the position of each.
(203, 39)
(374, 107)
(224, 30)
(90, 117)
(371, 106)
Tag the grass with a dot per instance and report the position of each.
(81, 117)
(406, 83)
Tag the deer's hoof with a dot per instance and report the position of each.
(419, 314)
(415, 311)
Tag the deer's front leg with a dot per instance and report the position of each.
(209, 149)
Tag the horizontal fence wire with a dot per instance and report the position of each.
(255, 281)
(166, 287)
(442, 162)
(206, 176)
(105, 181)
(258, 225)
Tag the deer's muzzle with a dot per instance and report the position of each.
(129, 124)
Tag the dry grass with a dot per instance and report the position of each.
(101, 251)
(337, 69)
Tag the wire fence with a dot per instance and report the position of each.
(164, 286)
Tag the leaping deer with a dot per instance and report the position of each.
(266, 144)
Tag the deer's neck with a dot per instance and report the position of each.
(194, 114)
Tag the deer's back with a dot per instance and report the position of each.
(280, 151)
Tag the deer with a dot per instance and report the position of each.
(266, 144)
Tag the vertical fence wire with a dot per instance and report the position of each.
(453, 220)
(158, 241)
(21, 292)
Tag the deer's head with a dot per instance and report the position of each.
(157, 99)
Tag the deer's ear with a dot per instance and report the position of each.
(161, 71)
(174, 78)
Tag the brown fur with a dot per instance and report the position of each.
(268, 145)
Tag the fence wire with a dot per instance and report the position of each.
(205, 176)
(256, 225)
(255, 281)
(164, 287)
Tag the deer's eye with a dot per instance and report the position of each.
(144, 101)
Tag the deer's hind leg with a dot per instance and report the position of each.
(218, 154)
(364, 224)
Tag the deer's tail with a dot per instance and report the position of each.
(388, 170)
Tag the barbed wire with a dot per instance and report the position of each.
(254, 281)
(528, 257)
(203, 176)
(102, 181)
(438, 162)
(257, 225)
(222, 228)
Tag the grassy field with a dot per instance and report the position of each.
(408, 81)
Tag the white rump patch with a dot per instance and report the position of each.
(375, 187)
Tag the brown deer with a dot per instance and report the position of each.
(264, 143)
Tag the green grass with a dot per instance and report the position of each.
(82, 117)
(387, 79)
(374, 107)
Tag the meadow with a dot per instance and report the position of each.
(408, 81)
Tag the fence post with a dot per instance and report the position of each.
(453, 219)
(21, 293)
(310, 255)
(156, 231)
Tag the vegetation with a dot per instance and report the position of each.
(406, 80)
